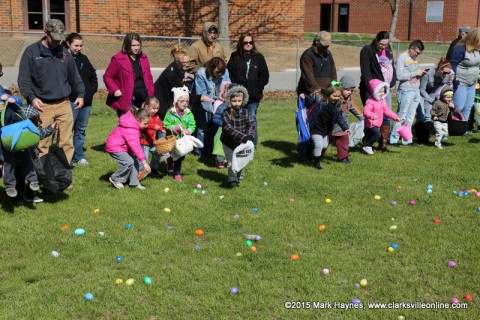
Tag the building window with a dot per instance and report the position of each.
(40, 11)
(435, 11)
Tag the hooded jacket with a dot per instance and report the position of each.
(120, 76)
(200, 52)
(376, 106)
(347, 106)
(318, 70)
(173, 119)
(126, 137)
(440, 108)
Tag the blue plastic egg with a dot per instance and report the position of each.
(234, 290)
(79, 232)
(119, 258)
(128, 226)
(429, 186)
(197, 247)
(394, 246)
(429, 190)
(147, 280)
(356, 301)
(88, 296)
(255, 209)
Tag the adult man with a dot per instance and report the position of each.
(46, 76)
(408, 93)
(317, 65)
(462, 32)
(206, 48)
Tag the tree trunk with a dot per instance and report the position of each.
(223, 24)
(393, 24)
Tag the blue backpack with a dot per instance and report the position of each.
(17, 133)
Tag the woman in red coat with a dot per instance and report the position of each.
(128, 78)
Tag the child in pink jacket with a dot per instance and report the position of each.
(375, 108)
(124, 146)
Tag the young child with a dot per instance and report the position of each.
(322, 127)
(124, 141)
(217, 120)
(340, 136)
(237, 127)
(440, 110)
(375, 108)
(149, 135)
(180, 120)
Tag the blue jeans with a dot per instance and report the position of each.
(423, 111)
(407, 105)
(463, 99)
(252, 109)
(375, 135)
(205, 130)
(80, 122)
(388, 97)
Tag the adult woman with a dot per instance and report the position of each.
(465, 60)
(74, 43)
(431, 84)
(376, 62)
(128, 77)
(174, 76)
(207, 87)
(248, 68)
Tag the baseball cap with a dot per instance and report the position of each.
(55, 29)
(324, 37)
(465, 28)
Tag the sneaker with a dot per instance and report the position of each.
(70, 187)
(116, 184)
(220, 165)
(139, 186)
(367, 150)
(346, 160)
(82, 162)
(233, 184)
(34, 186)
(169, 165)
(11, 192)
(34, 200)
(178, 177)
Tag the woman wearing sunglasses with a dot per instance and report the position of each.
(247, 67)
(431, 83)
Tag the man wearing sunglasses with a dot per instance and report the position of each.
(206, 48)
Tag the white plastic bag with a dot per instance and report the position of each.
(356, 135)
(242, 155)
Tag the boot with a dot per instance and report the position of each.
(428, 128)
(420, 131)
(316, 163)
(385, 130)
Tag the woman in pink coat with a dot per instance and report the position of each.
(123, 144)
(375, 108)
(128, 78)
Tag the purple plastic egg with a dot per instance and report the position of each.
(234, 290)
(452, 263)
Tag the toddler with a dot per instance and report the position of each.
(440, 110)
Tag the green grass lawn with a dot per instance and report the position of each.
(196, 284)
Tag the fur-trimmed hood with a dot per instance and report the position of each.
(375, 86)
(236, 88)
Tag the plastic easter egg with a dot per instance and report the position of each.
(451, 263)
(412, 202)
(356, 301)
(128, 226)
(429, 186)
(377, 197)
(130, 282)
(147, 280)
(400, 318)
(170, 228)
(290, 200)
(478, 209)
(363, 283)
(454, 191)
(390, 249)
(265, 183)
(249, 243)
(96, 211)
(65, 227)
(198, 186)
(455, 300)
(199, 232)
(393, 203)
(325, 271)
(221, 197)
(234, 290)
(79, 232)
(322, 227)
(255, 209)
(238, 254)
(118, 282)
(357, 285)
(477, 193)
(167, 210)
(88, 296)
(194, 191)
(399, 187)
(119, 259)
(55, 254)
(393, 227)
(197, 247)
(429, 191)
(101, 233)
(468, 297)
(203, 192)
(327, 201)
(294, 257)
(253, 248)
(257, 237)
(394, 246)
(236, 216)
(166, 190)
(436, 220)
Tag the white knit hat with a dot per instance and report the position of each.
(179, 92)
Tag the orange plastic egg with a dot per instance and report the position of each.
(294, 257)
(322, 228)
(199, 232)
(253, 248)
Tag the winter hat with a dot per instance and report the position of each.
(237, 88)
(179, 92)
(347, 82)
(465, 28)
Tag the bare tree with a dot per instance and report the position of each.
(223, 18)
(394, 5)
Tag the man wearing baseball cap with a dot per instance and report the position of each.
(46, 76)
(317, 65)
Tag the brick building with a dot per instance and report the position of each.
(417, 19)
(154, 17)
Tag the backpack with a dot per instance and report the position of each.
(17, 133)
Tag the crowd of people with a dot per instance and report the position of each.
(215, 99)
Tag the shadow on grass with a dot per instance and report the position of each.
(219, 175)
(289, 149)
(474, 140)
(9, 204)
(99, 147)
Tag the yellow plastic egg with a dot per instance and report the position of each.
(167, 210)
(327, 201)
(130, 282)
(118, 282)
(363, 282)
(377, 197)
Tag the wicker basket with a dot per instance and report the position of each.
(165, 144)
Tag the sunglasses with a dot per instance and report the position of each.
(247, 42)
(444, 72)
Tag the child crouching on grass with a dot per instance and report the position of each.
(440, 110)
(237, 127)
(123, 144)
(180, 120)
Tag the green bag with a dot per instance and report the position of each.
(19, 135)
(217, 144)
